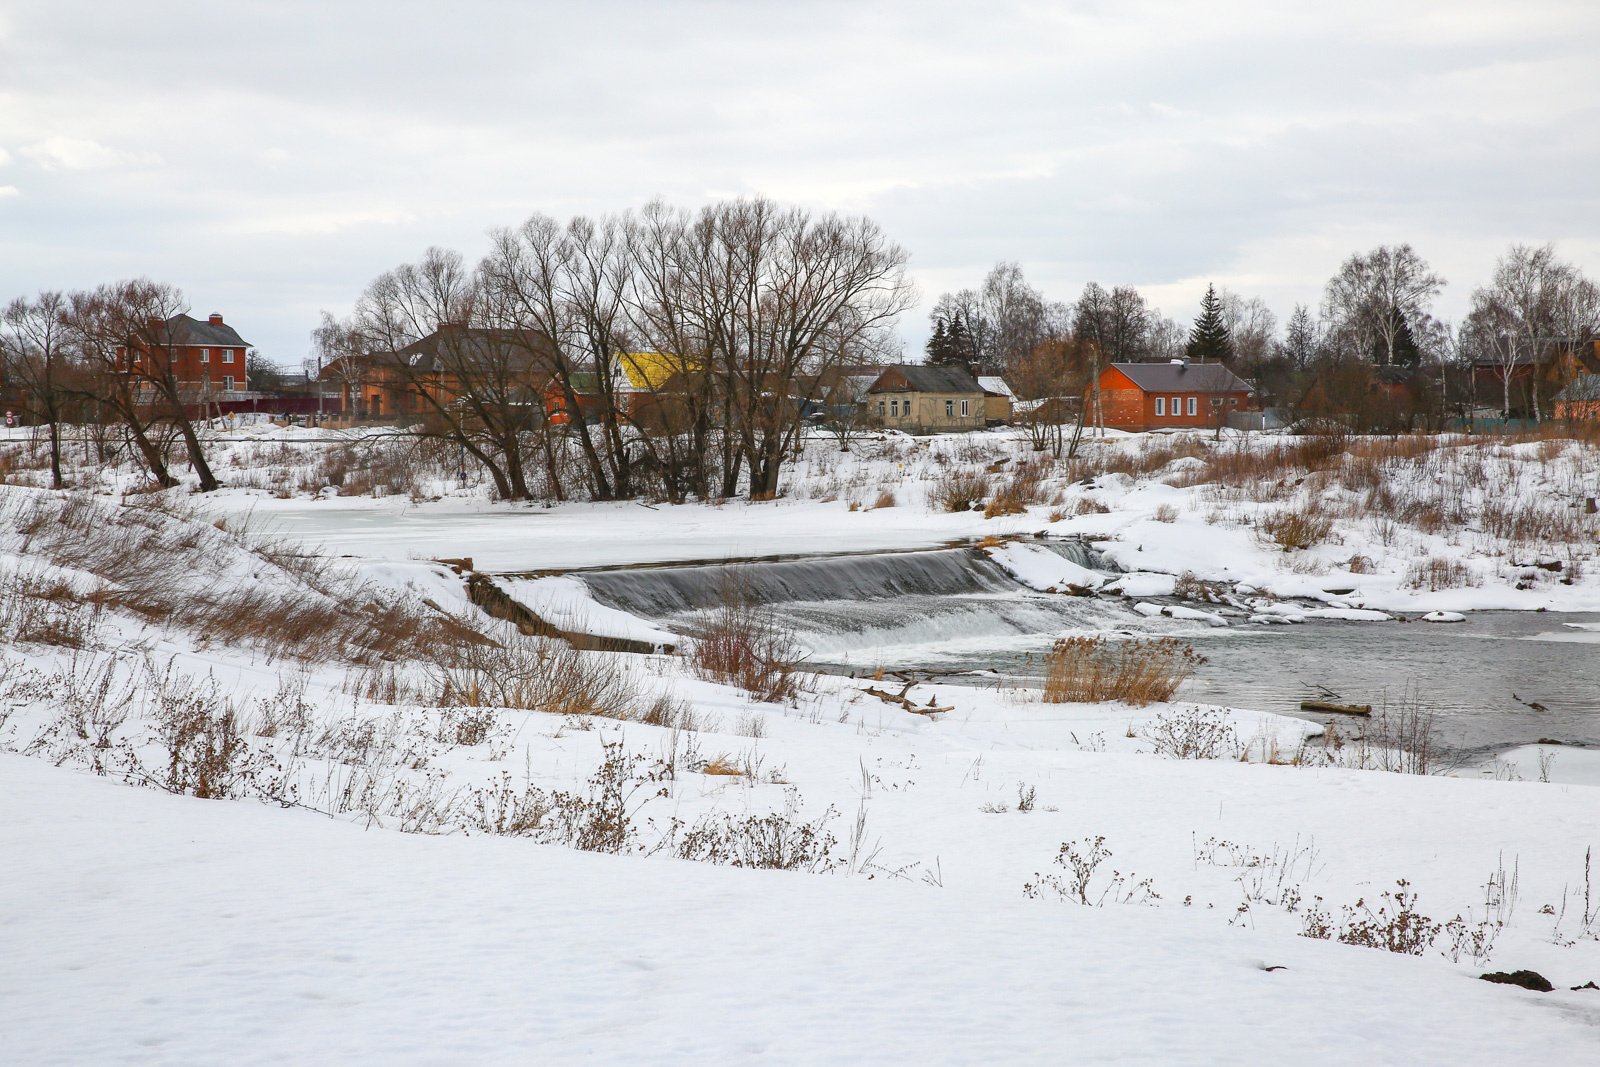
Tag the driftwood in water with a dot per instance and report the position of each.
(1337, 709)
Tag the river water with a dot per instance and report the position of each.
(953, 611)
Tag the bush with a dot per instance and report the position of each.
(1193, 733)
(1300, 529)
(533, 674)
(744, 644)
(960, 489)
(1139, 671)
(1436, 573)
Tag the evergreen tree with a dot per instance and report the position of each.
(1209, 340)
(939, 344)
(962, 350)
(1407, 353)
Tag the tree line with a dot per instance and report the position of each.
(747, 309)
(753, 316)
(1533, 317)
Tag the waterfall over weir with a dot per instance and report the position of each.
(851, 608)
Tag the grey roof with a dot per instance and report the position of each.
(191, 331)
(926, 378)
(1584, 388)
(1177, 377)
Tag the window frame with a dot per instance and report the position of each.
(1161, 407)
(1193, 407)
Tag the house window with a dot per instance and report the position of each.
(1177, 406)
(894, 408)
(1161, 405)
(227, 355)
(227, 382)
(1216, 401)
(205, 355)
(950, 407)
(880, 408)
(1194, 405)
(966, 407)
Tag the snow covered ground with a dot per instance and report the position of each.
(371, 892)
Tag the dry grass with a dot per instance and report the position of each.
(1436, 573)
(959, 489)
(1299, 528)
(1141, 671)
(533, 674)
(744, 644)
(156, 560)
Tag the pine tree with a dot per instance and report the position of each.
(1209, 339)
(939, 344)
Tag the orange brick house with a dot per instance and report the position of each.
(1580, 400)
(1168, 396)
(205, 357)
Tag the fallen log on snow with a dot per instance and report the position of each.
(1337, 709)
(901, 700)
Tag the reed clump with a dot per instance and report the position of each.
(1140, 671)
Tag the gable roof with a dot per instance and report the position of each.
(1177, 377)
(1584, 388)
(926, 378)
(650, 371)
(452, 347)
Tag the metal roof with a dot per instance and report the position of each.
(1179, 377)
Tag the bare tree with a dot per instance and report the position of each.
(35, 356)
(801, 290)
(560, 290)
(1301, 339)
(474, 385)
(1377, 296)
(1535, 307)
(1250, 325)
(107, 328)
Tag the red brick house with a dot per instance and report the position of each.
(1168, 396)
(205, 357)
(1580, 400)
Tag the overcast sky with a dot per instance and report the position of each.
(271, 157)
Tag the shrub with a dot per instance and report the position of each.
(777, 841)
(959, 489)
(1193, 733)
(746, 645)
(533, 674)
(1007, 501)
(1139, 671)
(1081, 860)
(1435, 573)
(1299, 529)
(1165, 513)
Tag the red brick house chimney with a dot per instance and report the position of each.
(216, 318)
